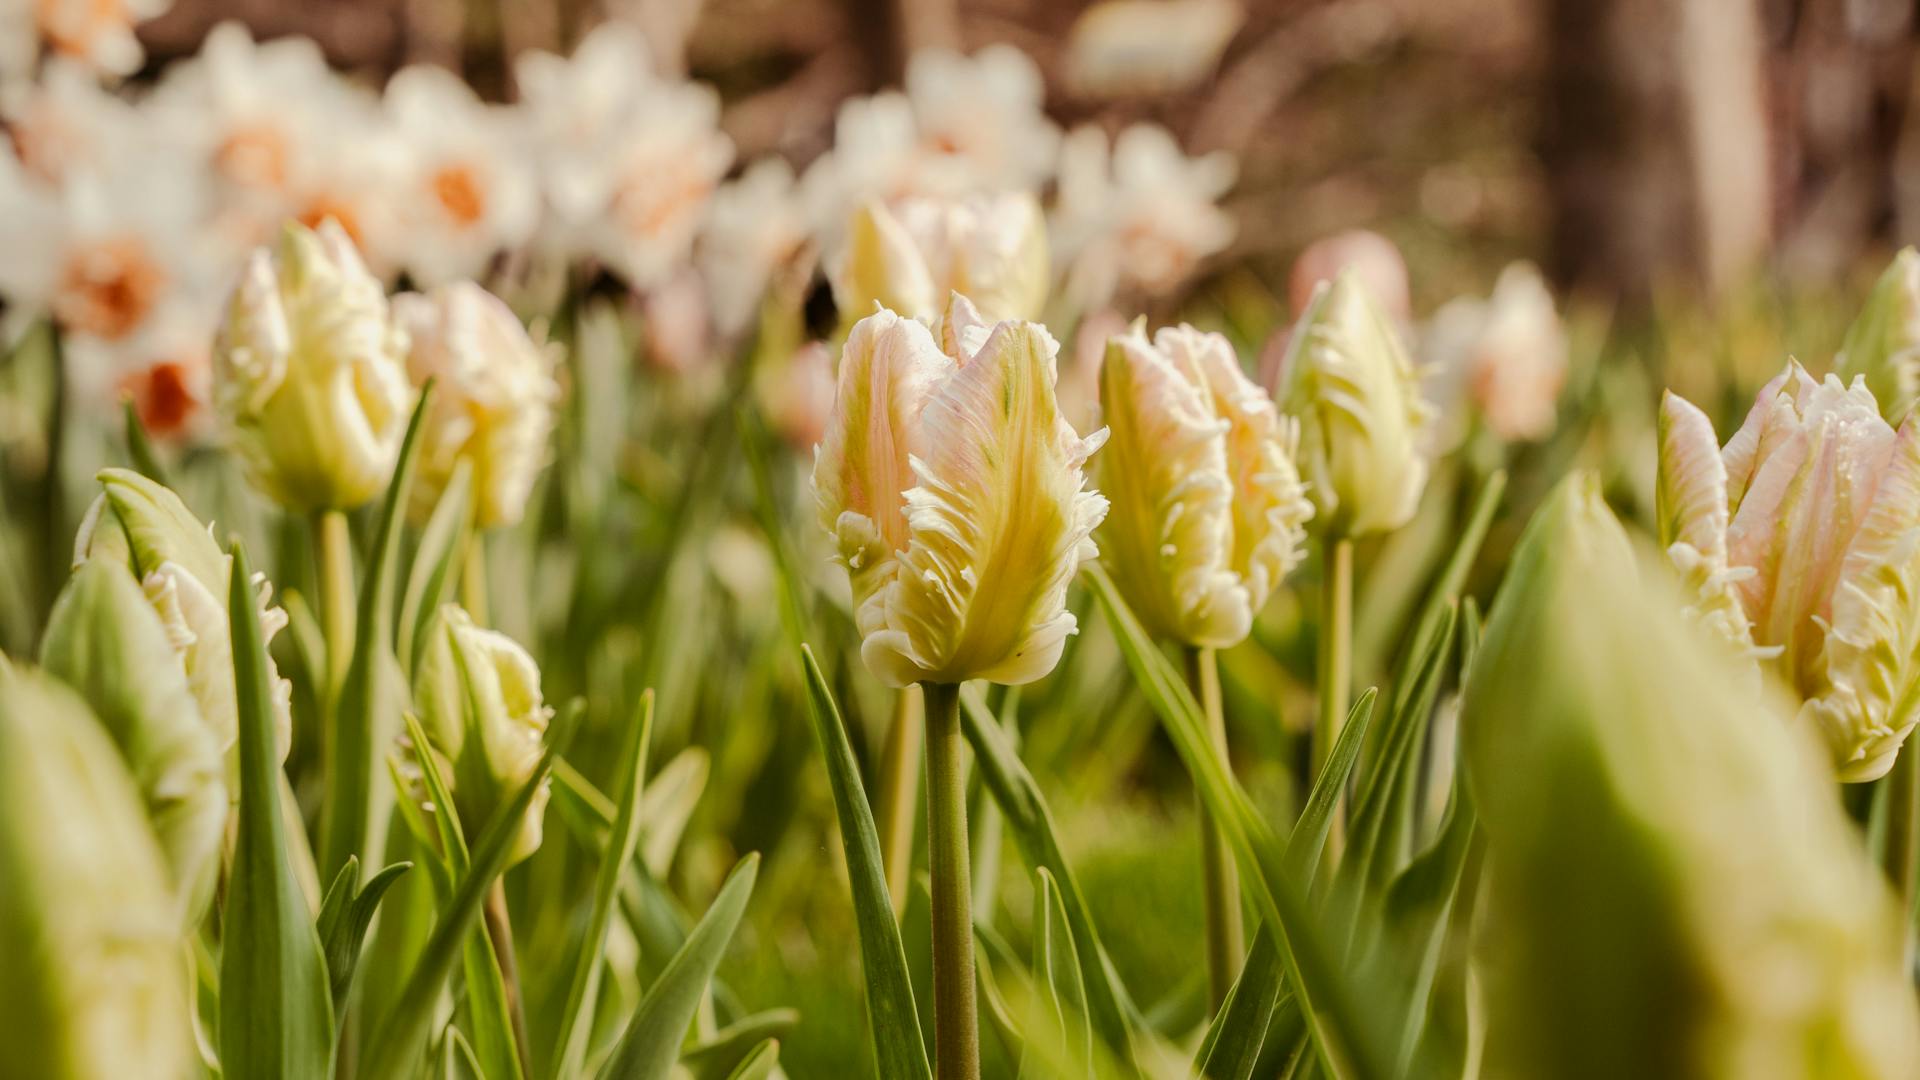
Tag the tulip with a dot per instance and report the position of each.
(478, 693)
(1208, 508)
(1654, 823)
(1883, 344)
(954, 489)
(143, 526)
(310, 376)
(493, 401)
(1505, 355)
(1374, 258)
(94, 981)
(908, 256)
(105, 640)
(1801, 542)
(1347, 379)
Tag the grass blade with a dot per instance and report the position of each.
(139, 448)
(276, 1015)
(570, 1047)
(651, 1044)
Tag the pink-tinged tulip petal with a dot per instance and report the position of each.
(1692, 510)
(1871, 666)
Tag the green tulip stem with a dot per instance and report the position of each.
(899, 791)
(1226, 937)
(1901, 850)
(956, 1020)
(500, 932)
(1336, 658)
(473, 578)
(334, 550)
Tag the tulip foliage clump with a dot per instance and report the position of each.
(572, 613)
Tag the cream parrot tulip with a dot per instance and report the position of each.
(1883, 344)
(309, 373)
(1347, 380)
(955, 490)
(1208, 507)
(1801, 541)
(908, 256)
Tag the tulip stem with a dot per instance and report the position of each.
(956, 1021)
(1335, 660)
(1900, 850)
(334, 551)
(473, 578)
(1226, 937)
(500, 932)
(899, 790)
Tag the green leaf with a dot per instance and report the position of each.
(398, 1045)
(1418, 907)
(1453, 576)
(362, 716)
(457, 1061)
(345, 916)
(652, 1041)
(899, 1050)
(1056, 966)
(1335, 1020)
(276, 1005)
(759, 1064)
(436, 560)
(1018, 796)
(139, 448)
(570, 1047)
(718, 1057)
(1384, 815)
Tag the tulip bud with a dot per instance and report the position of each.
(907, 257)
(310, 378)
(1883, 344)
(493, 400)
(478, 693)
(1505, 355)
(105, 640)
(183, 572)
(954, 490)
(1208, 508)
(94, 985)
(1347, 380)
(1801, 541)
(1655, 824)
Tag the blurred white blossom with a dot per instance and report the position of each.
(96, 33)
(754, 225)
(1506, 356)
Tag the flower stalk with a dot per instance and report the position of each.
(333, 552)
(955, 1016)
(1334, 675)
(1226, 937)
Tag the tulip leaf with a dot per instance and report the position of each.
(140, 448)
(1416, 914)
(457, 1060)
(651, 1044)
(726, 1050)
(898, 1047)
(363, 714)
(1017, 794)
(276, 1004)
(403, 1034)
(759, 1064)
(576, 1020)
(345, 916)
(1453, 576)
(436, 563)
(1337, 1025)
(1056, 967)
(1384, 813)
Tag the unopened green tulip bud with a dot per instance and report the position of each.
(144, 526)
(478, 695)
(94, 982)
(310, 373)
(105, 640)
(1883, 343)
(1675, 890)
(1347, 380)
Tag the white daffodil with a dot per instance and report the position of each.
(97, 34)
(909, 256)
(1801, 539)
(65, 123)
(1208, 508)
(955, 491)
(310, 373)
(755, 225)
(469, 193)
(1347, 380)
(493, 399)
(1137, 217)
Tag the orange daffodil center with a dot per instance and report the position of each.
(1801, 542)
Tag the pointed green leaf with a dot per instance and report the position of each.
(436, 562)
(720, 1055)
(276, 1014)
(1056, 968)
(897, 1043)
(759, 1064)
(139, 448)
(1453, 577)
(576, 1023)
(345, 916)
(651, 1044)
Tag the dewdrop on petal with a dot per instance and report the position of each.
(1801, 541)
(1208, 509)
(1346, 379)
(1883, 344)
(310, 376)
(956, 494)
(493, 400)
